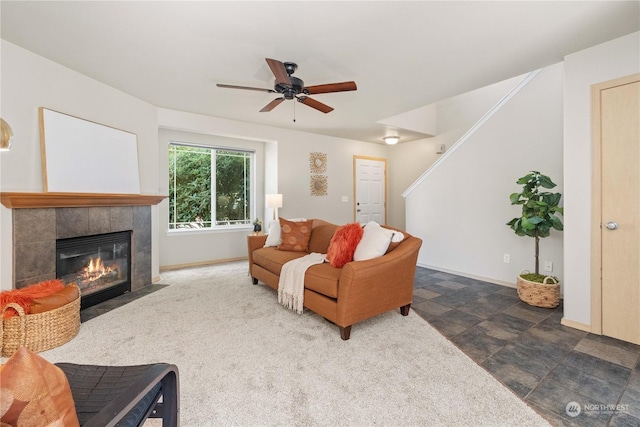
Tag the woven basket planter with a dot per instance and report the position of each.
(39, 332)
(545, 294)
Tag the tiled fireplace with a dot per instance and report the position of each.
(36, 232)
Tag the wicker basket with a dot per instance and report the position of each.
(39, 332)
(546, 294)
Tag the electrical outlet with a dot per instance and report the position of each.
(506, 258)
(548, 266)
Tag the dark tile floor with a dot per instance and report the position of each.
(550, 366)
(103, 307)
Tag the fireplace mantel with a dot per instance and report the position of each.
(17, 200)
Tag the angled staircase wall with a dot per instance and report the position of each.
(460, 205)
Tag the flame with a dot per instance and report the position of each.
(96, 269)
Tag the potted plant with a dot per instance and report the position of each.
(257, 225)
(539, 216)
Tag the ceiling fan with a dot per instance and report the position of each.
(292, 87)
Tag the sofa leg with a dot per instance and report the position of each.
(345, 333)
(404, 310)
(254, 280)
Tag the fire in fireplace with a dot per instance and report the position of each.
(100, 265)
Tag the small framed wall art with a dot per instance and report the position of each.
(318, 163)
(318, 185)
(318, 170)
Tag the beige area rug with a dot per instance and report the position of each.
(245, 360)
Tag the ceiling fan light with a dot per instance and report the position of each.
(391, 140)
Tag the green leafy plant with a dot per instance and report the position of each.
(539, 210)
(257, 221)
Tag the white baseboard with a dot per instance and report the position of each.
(576, 325)
(201, 264)
(470, 276)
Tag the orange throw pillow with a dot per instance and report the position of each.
(35, 393)
(24, 296)
(294, 235)
(343, 244)
(63, 297)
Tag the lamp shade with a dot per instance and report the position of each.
(6, 135)
(274, 200)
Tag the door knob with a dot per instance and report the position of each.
(358, 210)
(612, 225)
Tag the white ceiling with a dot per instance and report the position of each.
(402, 55)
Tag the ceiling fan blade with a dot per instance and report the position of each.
(246, 88)
(331, 87)
(278, 70)
(315, 104)
(273, 104)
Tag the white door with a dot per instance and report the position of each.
(619, 232)
(370, 189)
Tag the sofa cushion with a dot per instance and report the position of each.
(343, 244)
(374, 243)
(323, 279)
(295, 235)
(273, 260)
(273, 236)
(320, 237)
(34, 392)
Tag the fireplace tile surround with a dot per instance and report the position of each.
(35, 232)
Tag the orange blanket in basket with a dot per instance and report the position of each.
(24, 296)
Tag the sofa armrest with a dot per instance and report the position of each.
(377, 285)
(254, 242)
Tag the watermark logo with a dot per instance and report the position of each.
(606, 409)
(573, 409)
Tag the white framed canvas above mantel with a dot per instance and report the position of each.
(81, 156)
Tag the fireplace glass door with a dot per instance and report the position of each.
(100, 265)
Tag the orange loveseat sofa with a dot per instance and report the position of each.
(355, 292)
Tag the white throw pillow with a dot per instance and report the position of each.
(374, 243)
(273, 238)
(397, 237)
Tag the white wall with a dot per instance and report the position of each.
(617, 58)
(461, 209)
(30, 81)
(291, 166)
(453, 117)
(407, 161)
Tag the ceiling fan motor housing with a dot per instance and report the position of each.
(290, 91)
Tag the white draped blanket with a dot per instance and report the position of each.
(291, 283)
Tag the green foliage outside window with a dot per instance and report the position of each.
(232, 187)
(192, 189)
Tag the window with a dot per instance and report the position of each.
(199, 175)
